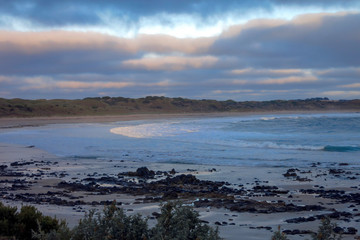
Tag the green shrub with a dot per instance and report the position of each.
(176, 222)
(25, 223)
(326, 231)
(7, 220)
(61, 233)
(113, 223)
(278, 235)
(179, 222)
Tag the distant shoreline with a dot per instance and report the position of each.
(19, 122)
(154, 106)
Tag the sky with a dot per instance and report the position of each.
(199, 49)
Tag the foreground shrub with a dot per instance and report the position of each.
(112, 224)
(326, 231)
(23, 224)
(278, 235)
(179, 222)
(8, 219)
(175, 222)
(61, 233)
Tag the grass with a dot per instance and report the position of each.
(99, 106)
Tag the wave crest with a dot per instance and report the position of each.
(330, 148)
(152, 130)
(274, 145)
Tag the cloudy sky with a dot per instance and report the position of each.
(240, 50)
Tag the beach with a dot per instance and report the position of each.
(249, 201)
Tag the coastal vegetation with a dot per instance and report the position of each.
(22, 224)
(154, 104)
(176, 221)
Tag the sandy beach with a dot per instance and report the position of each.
(244, 201)
(17, 122)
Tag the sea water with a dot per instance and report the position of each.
(293, 140)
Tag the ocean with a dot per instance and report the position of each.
(292, 140)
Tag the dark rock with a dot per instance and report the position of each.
(170, 195)
(183, 179)
(2, 167)
(300, 220)
(338, 230)
(351, 231)
(142, 172)
(262, 227)
(335, 171)
(291, 172)
(297, 232)
(156, 214)
(305, 179)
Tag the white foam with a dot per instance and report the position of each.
(283, 117)
(152, 130)
(267, 118)
(273, 145)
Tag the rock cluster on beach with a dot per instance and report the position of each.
(155, 186)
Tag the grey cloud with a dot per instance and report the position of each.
(343, 73)
(330, 42)
(57, 62)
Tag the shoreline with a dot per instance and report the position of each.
(19, 122)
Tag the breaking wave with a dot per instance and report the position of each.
(341, 148)
(284, 117)
(273, 145)
(152, 130)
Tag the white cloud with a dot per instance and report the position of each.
(288, 80)
(354, 85)
(170, 63)
(253, 71)
(232, 91)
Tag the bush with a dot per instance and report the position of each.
(25, 223)
(278, 235)
(112, 224)
(175, 222)
(61, 233)
(179, 222)
(326, 231)
(7, 220)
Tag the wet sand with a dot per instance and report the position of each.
(14, 122)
